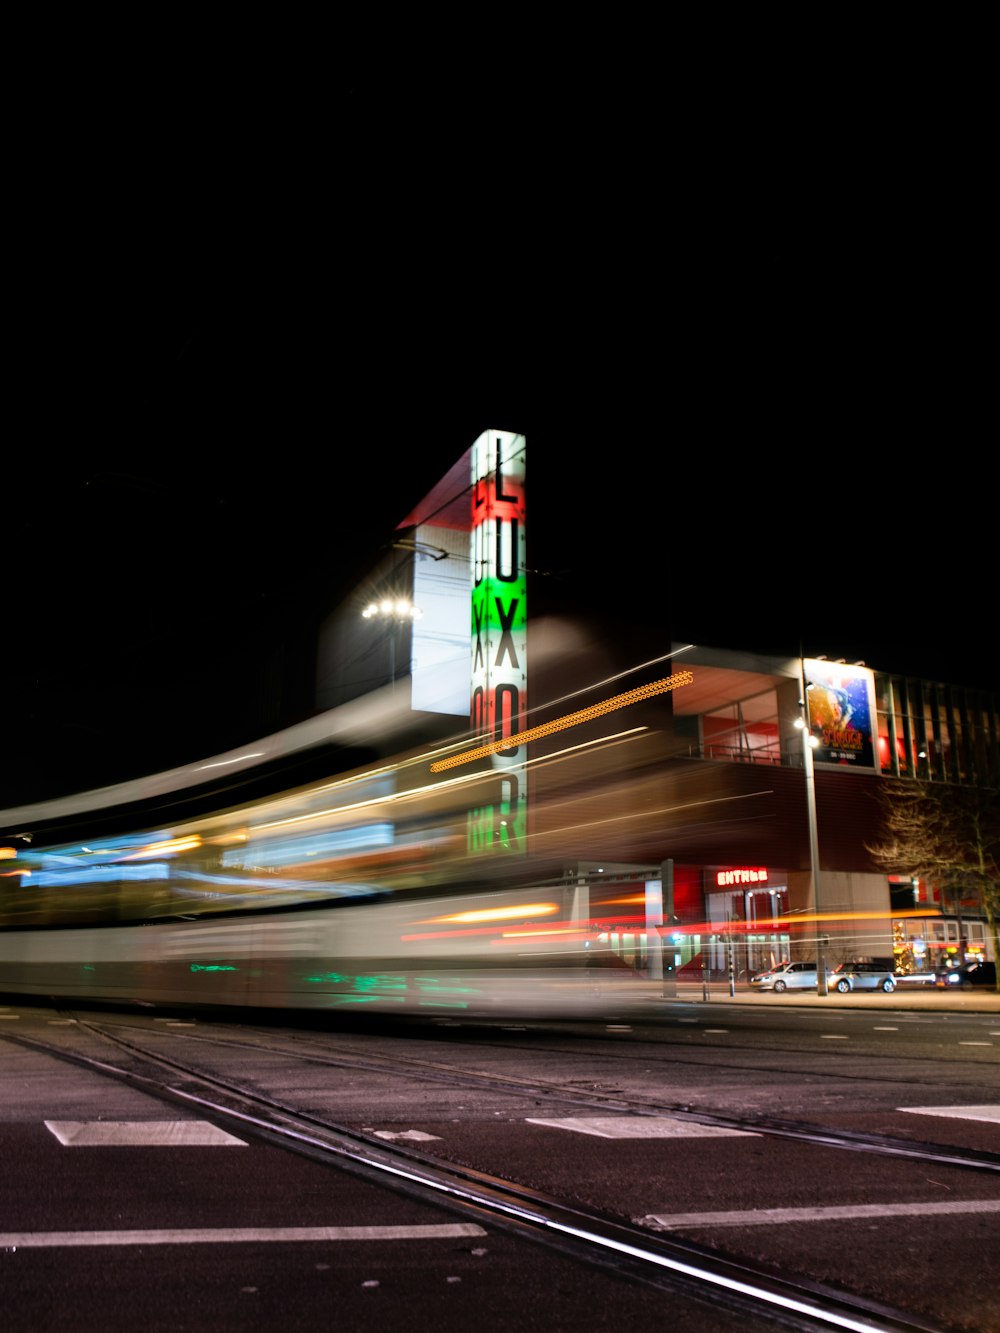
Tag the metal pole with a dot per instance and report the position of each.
(667, 945)
(732, 968)
(810, 771)
(731, 952)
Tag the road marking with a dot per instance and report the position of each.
(756, 1217)
(642, 1127)
(414, 1135)
(141, 1134)
(959, 1112)
(975, 1043)
(16, 1240)
(834, 1036)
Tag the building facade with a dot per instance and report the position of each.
(744, 829)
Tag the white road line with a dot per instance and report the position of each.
(756, 1217)
(141, 1134)
(414, 1135)
(642, 1127)
(16, 1240)
(958, 1112)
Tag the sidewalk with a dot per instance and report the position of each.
(972, 999)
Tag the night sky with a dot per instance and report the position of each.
(236, 372)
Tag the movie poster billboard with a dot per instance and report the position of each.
(841, 704)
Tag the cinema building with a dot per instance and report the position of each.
(744, 838)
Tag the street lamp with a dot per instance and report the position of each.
(809, 743)
(392, 611)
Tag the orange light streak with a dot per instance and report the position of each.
(167, 847)
(494, 914)
(570, 720)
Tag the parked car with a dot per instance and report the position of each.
(787, 976)
(863, 976)
(976, 973)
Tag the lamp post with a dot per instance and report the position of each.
(809, 743)
(392, 611)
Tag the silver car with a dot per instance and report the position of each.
(788, 976)
(862, 976)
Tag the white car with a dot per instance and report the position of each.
(789, 976)
(862, 976)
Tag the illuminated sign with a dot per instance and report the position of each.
(742, 875)
(499, 628)
(841, 703)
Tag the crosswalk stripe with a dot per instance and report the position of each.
(141, 1134)
(991, 1113)
(642, 1127)
(17, 1240)
(756, 1217)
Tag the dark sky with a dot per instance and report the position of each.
(240, 363)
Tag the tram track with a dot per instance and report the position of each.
(631, 1252)
(617, 1101)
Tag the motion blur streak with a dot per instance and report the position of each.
(372, 885)
(497, 914)
(377, 884)
(571, 720)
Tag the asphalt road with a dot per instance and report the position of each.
(182, 1230)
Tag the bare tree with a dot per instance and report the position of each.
(948, 835)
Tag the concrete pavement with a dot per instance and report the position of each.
(972, 999)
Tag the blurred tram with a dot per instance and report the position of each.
(249, 881)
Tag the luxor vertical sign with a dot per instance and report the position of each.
(499, 681)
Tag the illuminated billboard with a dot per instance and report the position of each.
(469, 651)
(499, 630)
(437, 532)
(841, 704)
